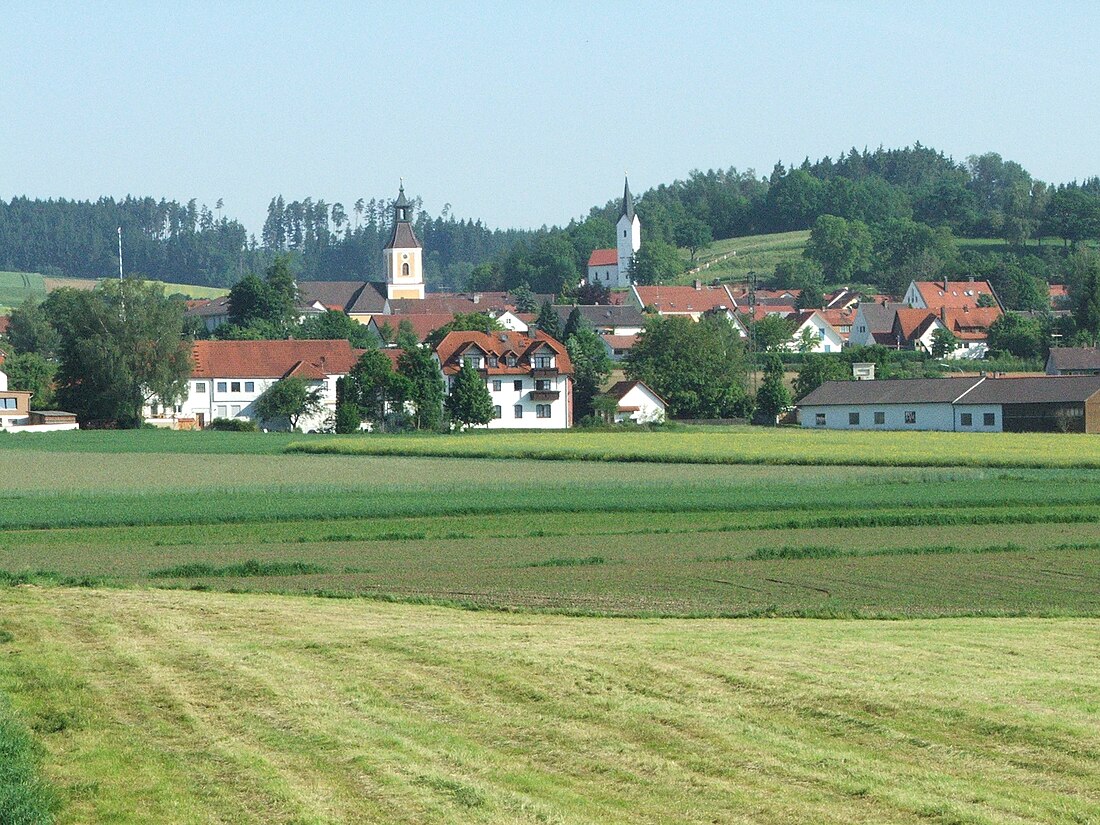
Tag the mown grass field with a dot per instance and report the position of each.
(205, 627)
(199, 707)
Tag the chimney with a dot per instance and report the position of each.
(476, 298)
(945, 283)
(697, 284)
(943, 314)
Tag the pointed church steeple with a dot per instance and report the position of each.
(403, 254)
(628, 201)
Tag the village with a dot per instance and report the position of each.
(513, 346)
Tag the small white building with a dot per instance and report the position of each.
(611, 267)
(529, 379)
(228, 377)
(637, 403)
(811, 326)
(16, 415)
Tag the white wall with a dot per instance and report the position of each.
(651, 409)
(860, 335)
(507, 397)
(977, 412)
(604, 275)
(628, 240)
(827, 339)
(213, 402)
(929, 416)
(3, 381)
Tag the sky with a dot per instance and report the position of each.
(522, 114)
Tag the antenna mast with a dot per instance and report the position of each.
(121, 296)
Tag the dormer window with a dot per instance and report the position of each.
(472, 361)
(543, 362)
(510, 360)
(494, 361)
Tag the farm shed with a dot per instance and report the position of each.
(980, 404)
(1066, 404)
(906, 404)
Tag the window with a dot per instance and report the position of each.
(250, 386)
(542, 384)
(405, 270)
(910, 416)
(853, 418)
(517, 385)
(179, 408)
(235, 410)
(496, 386)
(496, 411)
(880, 417)
(819, 420)
(510, 360)
(7, 403)
(966, 419)
(624, 233)
(542, 411)
(222, 386)
(494, 361)
(543, 362)
(200, 386)
(472, 361)
(220, 412)
(518, 410)
(862, 328)
(989, 419)
(235, 386)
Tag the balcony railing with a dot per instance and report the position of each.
(545, 395)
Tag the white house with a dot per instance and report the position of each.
(637, 403)
(228, 377)
(611, 267)
(811, 326)
(16, 415)
(937, 295)
(529, 379)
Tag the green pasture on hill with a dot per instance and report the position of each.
(16, 287)
(761, 254)
(199, 707)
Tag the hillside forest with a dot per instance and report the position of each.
(879, 218)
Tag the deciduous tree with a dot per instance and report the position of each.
(290, 398)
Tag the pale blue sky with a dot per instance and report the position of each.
(521, 113)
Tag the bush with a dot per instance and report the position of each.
(234, 425)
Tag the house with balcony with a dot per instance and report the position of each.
(529, 378)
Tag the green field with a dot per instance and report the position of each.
(744, 445)
(16, 287)
(207, 627)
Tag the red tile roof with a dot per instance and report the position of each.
(971, 324)
(272, 359)
(620, 341)
(422, 325)
(681, 300)
(454, 344)
(957, 294)
(604, 257)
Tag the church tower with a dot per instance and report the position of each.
(628, 234)
(403, 254)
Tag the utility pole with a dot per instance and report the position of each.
(121, 295)
(752, 327)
